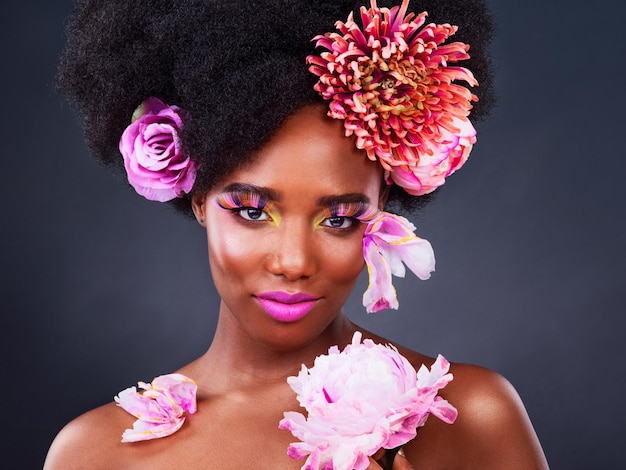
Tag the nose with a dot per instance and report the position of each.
(292, 253)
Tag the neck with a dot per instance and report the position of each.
(236, 360)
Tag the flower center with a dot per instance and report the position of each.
(387, 83)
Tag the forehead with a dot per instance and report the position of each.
(309, 155)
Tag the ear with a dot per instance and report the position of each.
(384, 194)
(198, 205)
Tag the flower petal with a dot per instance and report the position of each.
(378, 402)
(380, 293)
(158, 407)
(153, 155)
(388, 242)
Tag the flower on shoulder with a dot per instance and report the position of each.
(158, 406)
(155, 163)
(388, 242)
(360, 400)
(392, 82)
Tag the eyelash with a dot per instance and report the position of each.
(353, 212)
(243, 203)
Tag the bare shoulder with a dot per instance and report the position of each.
(485, 396)
(489, 406)
(92, 437)
(492, 429)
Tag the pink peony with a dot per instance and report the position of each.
(151, 146)
(159, 407)
(388, 242)
(392, 82)
(434, 167)
(359, 400)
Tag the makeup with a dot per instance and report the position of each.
(286, 307)
(237, 199)
(361, 211)
(255, 203)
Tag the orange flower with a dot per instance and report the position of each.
(391, 83)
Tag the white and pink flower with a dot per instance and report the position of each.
(388, 242)
(359, 400)
(158, 406)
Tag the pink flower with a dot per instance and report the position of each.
(359, 400)
(388, 242)
(154, 160)
(391, 81)
(159, 407)
(434, 167)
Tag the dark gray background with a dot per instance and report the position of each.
(101, 288)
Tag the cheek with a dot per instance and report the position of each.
(343, 259)
(232, 251)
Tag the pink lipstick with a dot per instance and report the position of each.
(286, 307)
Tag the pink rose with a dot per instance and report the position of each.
(151, 146)
(359, 400)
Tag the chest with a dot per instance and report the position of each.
(225, 433)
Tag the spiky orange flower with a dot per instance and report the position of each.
(391, 82)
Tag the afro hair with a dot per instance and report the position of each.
(236, 67)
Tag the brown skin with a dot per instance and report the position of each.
(242, 388)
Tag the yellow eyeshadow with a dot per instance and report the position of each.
(275, 216)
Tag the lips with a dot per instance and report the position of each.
(286, 307)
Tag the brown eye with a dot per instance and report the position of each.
(338, 222)
(252, 213)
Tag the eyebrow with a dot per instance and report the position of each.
(348, 198)
(268, 193)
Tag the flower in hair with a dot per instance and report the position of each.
(388, 242)
(155, 163)
(158, 406)
(391, 81)
(359, 400)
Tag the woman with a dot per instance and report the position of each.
(232, 125)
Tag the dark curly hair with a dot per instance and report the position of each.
(236, 67)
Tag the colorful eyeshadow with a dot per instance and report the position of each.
(238, 200)
(360, 211)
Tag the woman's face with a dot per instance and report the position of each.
(285, 232)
